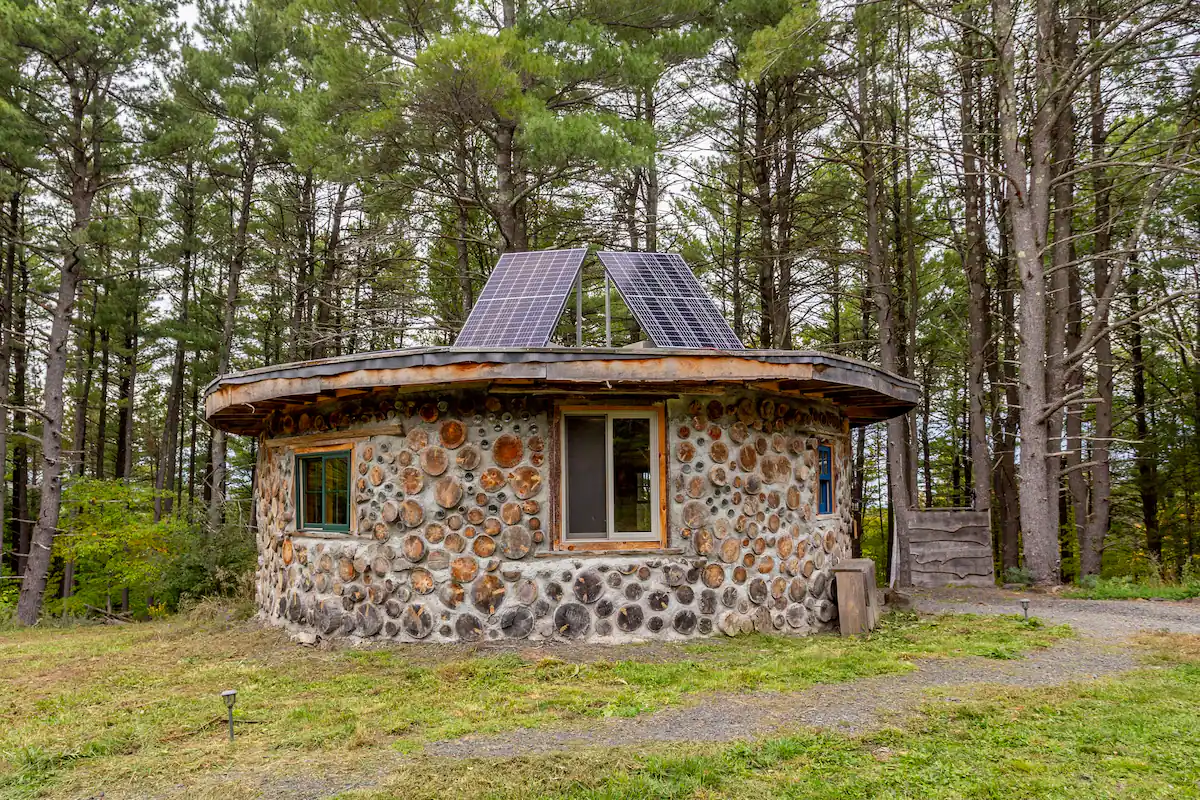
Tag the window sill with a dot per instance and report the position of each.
(319, 534)
(618, 549)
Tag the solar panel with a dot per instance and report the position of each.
(523, 299)
(668, 301)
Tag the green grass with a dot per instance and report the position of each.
(1133, 736)
(102, 707)
(1129, 589)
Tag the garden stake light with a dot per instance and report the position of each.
(1025, 608)
(230, 697)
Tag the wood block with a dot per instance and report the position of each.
(852, 597)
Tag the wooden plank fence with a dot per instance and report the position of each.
(950, 546)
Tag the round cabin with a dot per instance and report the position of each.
(459, 495)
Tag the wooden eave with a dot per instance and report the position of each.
(240, 402)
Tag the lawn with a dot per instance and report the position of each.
(1128, 589)
(134, 709)
(1132, 736)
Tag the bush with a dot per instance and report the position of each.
(109, 532)
(1018, 575)
(1129, 588)
(216, 565)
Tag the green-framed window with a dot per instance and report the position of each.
(323, 491)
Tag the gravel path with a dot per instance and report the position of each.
(869, 703)
(1106, 620)
(851, 707)
(847, 707)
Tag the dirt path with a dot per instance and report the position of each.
(850, 707)
(1105, 620)
(860, 705)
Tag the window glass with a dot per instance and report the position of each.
(631, 475)
(587, 501)
(337, 490)
(311, 477)
(825, 473)
(324, 491)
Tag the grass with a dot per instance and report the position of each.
(117, 708)
(1129, 589)
(1132, 736)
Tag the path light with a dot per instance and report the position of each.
(1024, 607)
(230, 697)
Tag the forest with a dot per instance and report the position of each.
(998, 199)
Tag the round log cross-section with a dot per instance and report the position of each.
(462, 490)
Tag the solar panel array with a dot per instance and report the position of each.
(523, 299)
(669, 302)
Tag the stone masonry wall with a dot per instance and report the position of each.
(453, 500)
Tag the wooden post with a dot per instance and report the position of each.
(607, 311)
(579, 310)
(858, 603)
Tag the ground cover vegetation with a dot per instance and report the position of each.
(998, 200)
(117, 707)
(1131, 736)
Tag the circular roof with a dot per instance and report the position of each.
(240, 401)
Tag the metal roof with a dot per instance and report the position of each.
(240, 401)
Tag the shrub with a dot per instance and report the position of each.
(1018, 575)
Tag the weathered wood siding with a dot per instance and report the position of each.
(950, 546)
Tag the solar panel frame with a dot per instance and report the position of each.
(668, 301)
(523, 299)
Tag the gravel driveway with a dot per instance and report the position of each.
(851, 707)
(1106, 620)
(864, 704)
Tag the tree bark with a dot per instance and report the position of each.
(1147, 463)
(887, 329)
(164, 494)
(974, 263)
(102, 418)
(327, 296)
(7, 285)
(216, 485)
(462, 254)
(1095, 529)
(84, 183)
(1028, 208)
(23, 527)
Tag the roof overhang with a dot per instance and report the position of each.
(240, 402)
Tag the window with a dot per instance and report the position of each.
(824, 479)
(323, 491)
(611, 476)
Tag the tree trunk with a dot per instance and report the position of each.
(7, 285)
(216, 486)
(761, 171)
(652, 189)
(84, 186)
(164, 494)
(1028, 207)
(1095, 528)
(126, 405)
(84, 360)
(897, 445)
(1147, 464)
(102, 418)
(327, 296)
(462, 253)
(21, 468)
(974, 263)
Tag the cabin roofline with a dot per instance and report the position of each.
(238, 402)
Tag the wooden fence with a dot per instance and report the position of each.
(950, 546)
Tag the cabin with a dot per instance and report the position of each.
(507, 488)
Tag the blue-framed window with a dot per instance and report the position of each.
(824, 479)
(323, 491)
